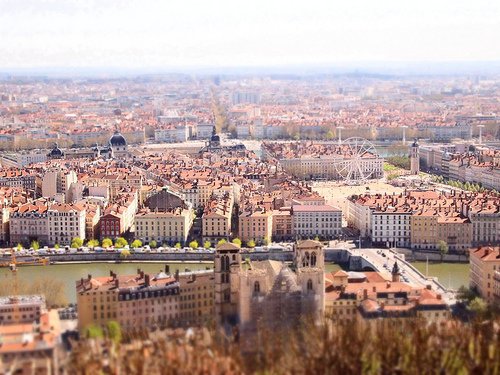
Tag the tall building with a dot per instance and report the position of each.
(227, 265)
(484, 262)
(414, 158)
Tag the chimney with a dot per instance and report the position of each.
(167, 269)
(146, 280)
(117, 283)
(89, 277)
(374, 289)
(193, 277)
(176, 275)
(439, 297)
(388, 285)
(365, 293)
(428, 287)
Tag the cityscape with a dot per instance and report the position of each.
(167, 212)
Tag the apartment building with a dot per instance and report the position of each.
(216, 219)
(66, 221)
(174, 133)
(30, 222)
(18, 178)
(56, 184)
(21, 309)
(119, 216)
(30, 336)
(256, 225)
(351, 296)
(134, 301)
(312, 220)
(484, 263)
(164, 227)
(420, 219)
(391, 227)
(282, 229)
(146, 300)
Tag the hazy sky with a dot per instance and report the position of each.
(170, 33)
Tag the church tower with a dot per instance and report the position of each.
(227, 267)
(414, 158)
(309, 264)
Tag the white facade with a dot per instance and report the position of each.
(391, 228)
(65, 222)
(322, 221)
(164, 226)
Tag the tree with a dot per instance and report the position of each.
(153, 244)
(251, 244)
(177, 245)
(236, 241)
(316, 238)
(478, 306)
(93, 243)
(265, 241)
(35, 245)
(136, 244)
(107, 243)
(57, 246)
(465, 295)
(124, 253)
(443, 248)
(114, 331)
(121, 242)
(19, 247)
(221, 242)
(94, 332)
(76, 243)
(207, 245)
(193, 244)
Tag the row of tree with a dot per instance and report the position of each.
(469, 186)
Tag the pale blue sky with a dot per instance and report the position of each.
(171, 33)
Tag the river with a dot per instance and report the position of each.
(450, 275)
(453, 274)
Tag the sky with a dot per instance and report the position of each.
(171, 33)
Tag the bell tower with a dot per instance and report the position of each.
(309, 254)
(227, 266)
(414, 158)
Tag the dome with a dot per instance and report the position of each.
(56, 152)
(117, 140)
(215, 138)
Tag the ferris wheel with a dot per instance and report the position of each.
(357, 164)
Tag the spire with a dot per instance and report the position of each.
(395, 272)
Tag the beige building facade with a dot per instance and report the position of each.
(484, 263)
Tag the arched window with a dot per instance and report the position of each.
(256, 287)
(309, 285)
(225, 263)
(313, 260)
(305, 260)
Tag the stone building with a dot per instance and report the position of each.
(269, 292)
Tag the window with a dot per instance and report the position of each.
(256, 287)
(309, 285)
(313, 259)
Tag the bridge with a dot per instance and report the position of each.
(382, 260)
